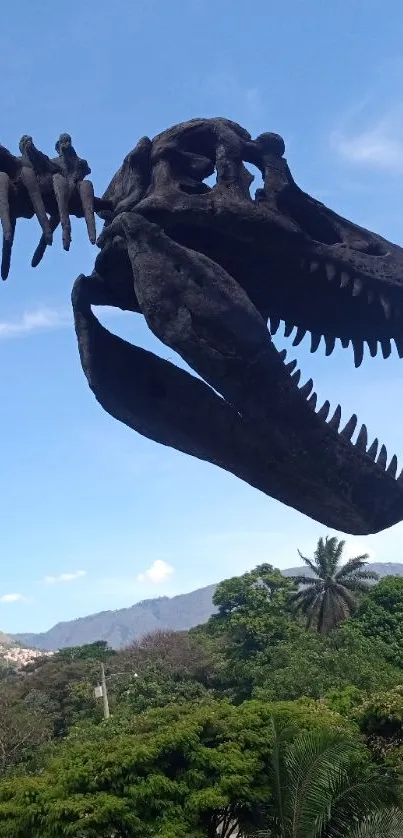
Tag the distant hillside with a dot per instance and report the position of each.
(120, 627)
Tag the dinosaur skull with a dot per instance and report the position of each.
(209, 267)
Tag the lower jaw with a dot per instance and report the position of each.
(143, 391)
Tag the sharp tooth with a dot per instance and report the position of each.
(399, 346)
(288, 327)
(362, 439)
(372, 345)
(313, 267)
(291, 366)
(315, 341)
(350, 427)
(400, 478)
(324, 411)
(296, 377)
(299, 336)
(334, 422)
(382, 459)
(372, 451)
(358, 347)
(306, 389)
(357, 287)
(274, 323)
(331, 272)
(282, 354)
(344, 279)
(386, 347)
(345, 342)
(385, 305)
(312, 400)
(330, 344)
(392, 467)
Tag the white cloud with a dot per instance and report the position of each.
(65, 577)
(11, 598)
(43, 319)
(378, 145)
(158, 572)
(34, 321)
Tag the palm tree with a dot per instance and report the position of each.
(322, 788)
(331, 595)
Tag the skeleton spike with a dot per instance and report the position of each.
(399, 346)
(330, 342)
(299, 336)
(61, 189)
(315, 341)
(400, 478)
(392, 467)
(362, 439)
(306, 389)
(7, 224)
(282, 354)
(324, 411)
(86, 191)
(357, 287)
(358, 347)
(386, 347)
(291, 366)
(350, 427)
(28, 178)
(274, 323)
(334, 422)
(372, 345)
(296, 377)
(344, 279)
(312, 400)
(373, 449)
(345, 342)
(40, 250)
(382, 459)
(288, 327)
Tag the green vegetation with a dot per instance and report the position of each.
(252, 724)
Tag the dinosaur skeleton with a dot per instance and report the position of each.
(209, 267)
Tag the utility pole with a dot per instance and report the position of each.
(104, 693)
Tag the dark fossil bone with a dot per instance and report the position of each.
(208, 266)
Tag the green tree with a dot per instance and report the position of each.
(322, 785)
(190, 770)
(380, 616)
(330, 596)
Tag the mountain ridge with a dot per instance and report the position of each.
(124, 625)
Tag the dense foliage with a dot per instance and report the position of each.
(252, 723)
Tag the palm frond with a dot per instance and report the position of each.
(357, 564)
(309, 563)
(316, 766)
(388, 823)
(306, 580)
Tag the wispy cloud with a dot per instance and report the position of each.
(38, 320)
(11, 598)
(377, 145)
(157, 573)
(43, 319)
(64, 577)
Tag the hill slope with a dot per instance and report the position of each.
(120, 627)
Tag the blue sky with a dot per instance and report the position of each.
(92, 516)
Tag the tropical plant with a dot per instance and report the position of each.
(330, 596)
(322, 786)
